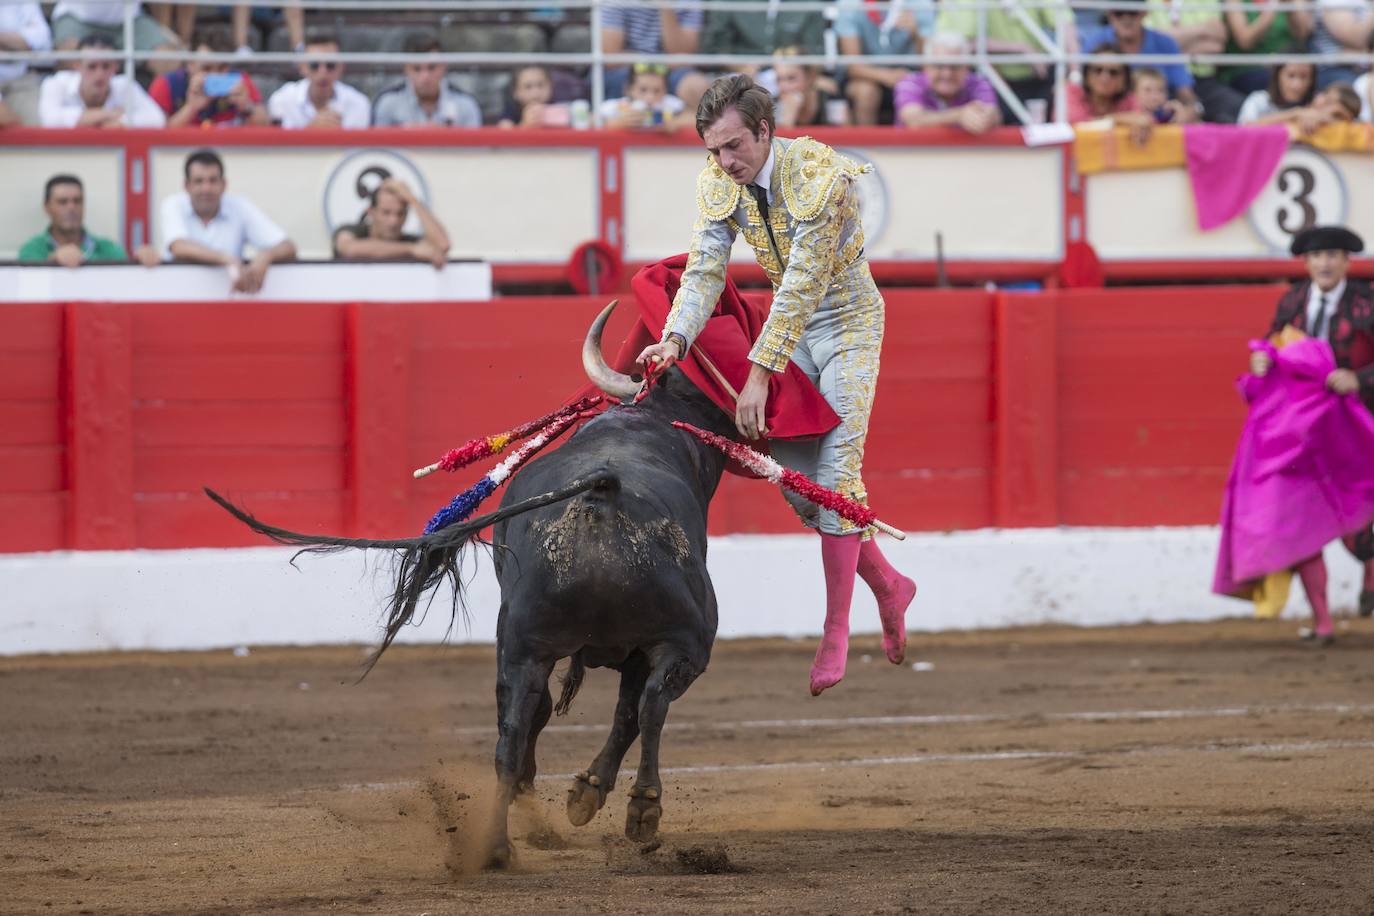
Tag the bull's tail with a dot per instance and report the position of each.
(421, 563)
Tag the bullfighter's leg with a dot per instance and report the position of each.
(521, 683)
(590, 787)
(672, 673)
(1313, 574)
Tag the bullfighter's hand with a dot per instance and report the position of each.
(752, 404)
(1343, 381)
(663, 354)
(1260, 362)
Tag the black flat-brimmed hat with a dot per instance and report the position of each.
(1326, 238)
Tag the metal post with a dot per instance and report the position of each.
(598, 64)
(128, 48)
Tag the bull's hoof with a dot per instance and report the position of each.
(585, 798)
(642, 815)
(499, 857)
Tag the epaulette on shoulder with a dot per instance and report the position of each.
(809, 172)
(717, 193)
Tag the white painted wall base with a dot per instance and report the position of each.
(767, 585)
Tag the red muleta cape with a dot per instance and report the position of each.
(795, 410)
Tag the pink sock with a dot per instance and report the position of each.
(1313, 574)
(894, 592)
(840, 558)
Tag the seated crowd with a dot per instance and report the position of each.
(931, 91)
(206, 224)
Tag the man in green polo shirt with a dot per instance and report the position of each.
(66, 240)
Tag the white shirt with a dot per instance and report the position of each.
(1362, 87)
(27, 20)
(96, 12)
(764, 178)
(1257, 105)
(1314, 308)
(611, 108)
(60, 103)
(237, 222)
(291, 107)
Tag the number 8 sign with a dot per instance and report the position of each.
(1306, 190)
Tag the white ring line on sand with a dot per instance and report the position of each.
(1266, 747)
(964, 719)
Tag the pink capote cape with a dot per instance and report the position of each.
(1229, 166)
(1303, 475)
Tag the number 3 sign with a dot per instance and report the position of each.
(1307, 190)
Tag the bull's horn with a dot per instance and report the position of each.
(616, 384)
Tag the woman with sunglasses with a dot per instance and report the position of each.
(1105, 95)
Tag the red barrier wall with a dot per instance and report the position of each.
(1105, 407)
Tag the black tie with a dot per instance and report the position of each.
(1323, 321)
(761, 198)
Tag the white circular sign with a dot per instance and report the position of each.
(1306, 190)
(872, 198)
(351, 183)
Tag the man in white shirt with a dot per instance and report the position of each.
(92, 95)
(319, 99)
(74, 20)
(204, 225)
(22, 28)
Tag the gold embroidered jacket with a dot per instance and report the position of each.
(816, 236)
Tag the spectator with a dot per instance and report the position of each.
(1006, 34)
(1288, 100)
(8, 116)
(1342, 26)
(1105, 90)
(177, 18)
(66, 240)
(760, 32)
(1196, 27)
(865, 29)
(1364, 88)
(1126, 31)
(425, 98)
(648, 105)
(204, 225)
(318, 99)
(189, 96)
(93, 96)
(947, 93)
(801, 102)
(1263, 30)
(1340, 102)
(668, 30)
(1150, 93)
(531, 103)
(267, 17)
(22, 28)
(74, 20)
(379, 236)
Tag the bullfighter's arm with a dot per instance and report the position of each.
(702, 279)
(810, 266)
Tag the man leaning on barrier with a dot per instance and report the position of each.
(204, 225)
(379, 235)
(66, 241)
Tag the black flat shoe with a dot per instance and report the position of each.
(1313, 641)
(1366, 603)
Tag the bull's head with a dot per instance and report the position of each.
(616, 384)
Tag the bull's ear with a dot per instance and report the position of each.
(616, 384)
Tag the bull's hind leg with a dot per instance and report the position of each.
(521, 687)
(670, 677)
(541, 718)
(589, 789)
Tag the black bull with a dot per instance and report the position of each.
(600, 551)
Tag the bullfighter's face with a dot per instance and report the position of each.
(737, 151)
(1327, 268)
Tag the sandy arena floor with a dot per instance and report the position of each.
(1170, 769)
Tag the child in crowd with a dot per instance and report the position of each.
(1340, 101)
(801, 100)
(531, 103)
(1288, 100)
(647, 102)
(1150, 90)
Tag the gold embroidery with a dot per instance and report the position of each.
(809, 172)
(717, 194)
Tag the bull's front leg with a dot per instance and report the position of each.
(589, 788)
(668, 680)
(521, 685)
